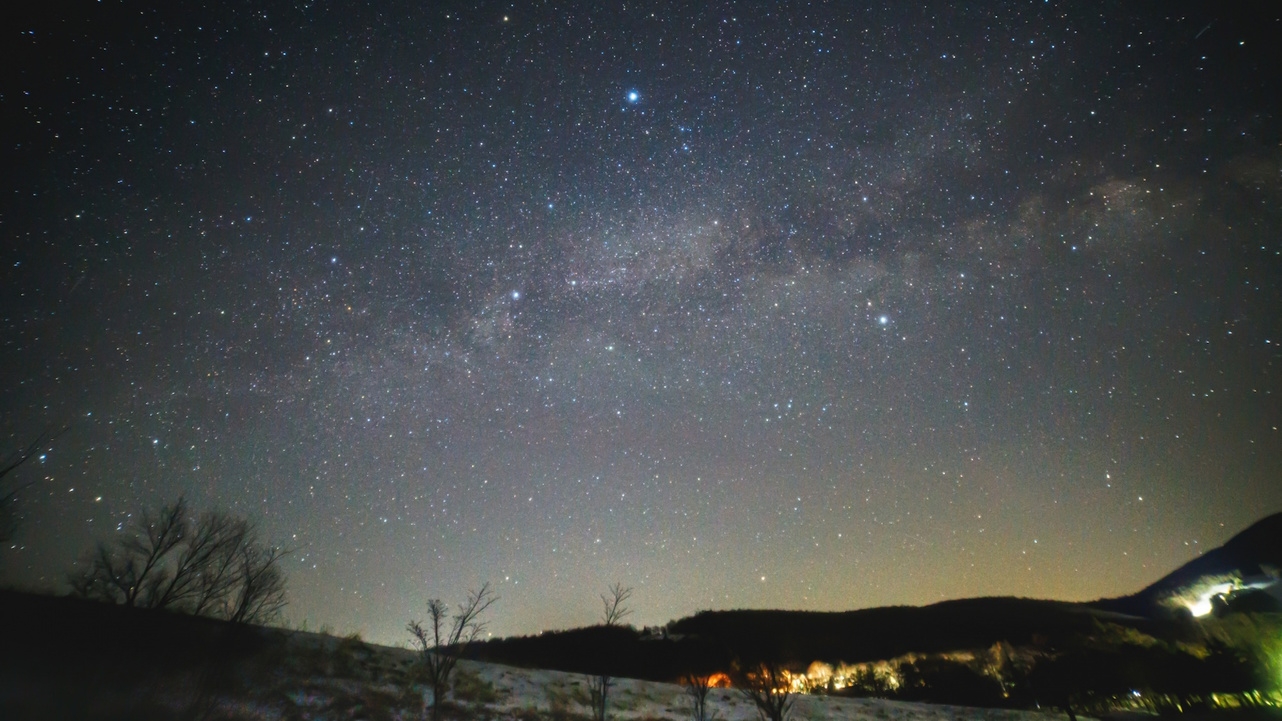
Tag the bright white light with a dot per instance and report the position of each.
(633, 96)
(516, 295)
(1202, 606)
(884, 320)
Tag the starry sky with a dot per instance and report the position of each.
(745, 305)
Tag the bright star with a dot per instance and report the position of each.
(516, 295)
(884, 320)
(633, 96)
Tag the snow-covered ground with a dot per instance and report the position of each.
(552, 693)
(307, 676)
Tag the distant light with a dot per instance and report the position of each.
(516, 295)
(884, 320)
(1203, 605)
(633, 96)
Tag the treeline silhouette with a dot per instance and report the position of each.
(621, 651)
(993, 652)
(715, 639)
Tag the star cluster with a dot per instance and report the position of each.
(809, 305)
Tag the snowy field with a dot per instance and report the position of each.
(371, 683)
(549, 692)
(302, 676)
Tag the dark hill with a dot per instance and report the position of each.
(710, 640)
(882, 633)
(1254, 553)
(71, 658)
(613, 650)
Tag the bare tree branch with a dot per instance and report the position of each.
(219, 574)
(614, 610)
(599, 695)
(261, 594)
(133, 573)
(147, 553)
(767, 686)
(11, 463)
(105, 579)
(204, 569)
(22, 455)
(698, 687)
(214, 567)
(444, 641)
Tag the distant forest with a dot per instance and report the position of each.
(992, 652)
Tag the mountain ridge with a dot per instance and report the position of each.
(1253, 555)
(714, 638)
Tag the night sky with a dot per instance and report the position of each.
(798, 305)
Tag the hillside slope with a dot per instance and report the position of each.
(1249, 560)
(76, 659)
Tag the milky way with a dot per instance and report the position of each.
(825, 307)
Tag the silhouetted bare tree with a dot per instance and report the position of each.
(259, 597)
(132, 572)
(213, 565)
(614, 611)
(698, 687)
(11, 463)
(209, 565)
(766, 685)
(442, 642)
(612, 614)
(599, 695)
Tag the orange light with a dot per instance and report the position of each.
(719, 680)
